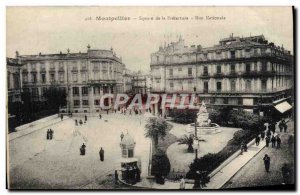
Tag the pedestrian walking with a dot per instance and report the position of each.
(285, 127)
(182, 183)
(243, 148)
(48, 134)
(107, 111)
(76, 122)
(262, 135)
(61, 117)
(101, 154)
(273, 140)
(278, 140)
(122, 136)
(267, 141)
(286, 173)
(100, 116)
(82, 149)
(267, 160)
(85, 118)
(116, 177)
(257, 140)
(80, 122)
(273, 127)
(281, 126)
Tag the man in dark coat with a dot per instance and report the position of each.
(48, 134)
(285, 127)
(101, 154)
(262, 135)
(122, 136)
(82, 149)
(61, 116)
(257, 140)
(267, 141)
(273, 140)
(278, 140)
(100, 116)
(267, 160)
(85, 118)
(116, 177)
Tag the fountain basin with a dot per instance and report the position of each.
(212, 128)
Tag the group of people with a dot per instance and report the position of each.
(274, 138)
(80, 121)
(201, 179)
(83, 151)
(50, 133)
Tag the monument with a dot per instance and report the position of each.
(203, 124)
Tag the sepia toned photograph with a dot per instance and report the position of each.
(150, 98)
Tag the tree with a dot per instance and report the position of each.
(184, 116)
(156, 128)
(160, 166)
(55, 97)
(188, 140)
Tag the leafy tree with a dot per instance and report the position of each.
(160, 166)
(56, 97)
(156, 128)
(184, 116)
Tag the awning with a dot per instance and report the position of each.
(283, 107)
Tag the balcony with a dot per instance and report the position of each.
(219, 75)
(258, 73)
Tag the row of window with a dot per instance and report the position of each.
(96, 66)
(233, 69)
(85, 90)
(86, 102)
(219, 85)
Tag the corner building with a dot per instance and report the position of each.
(85, 77)
(238, 72)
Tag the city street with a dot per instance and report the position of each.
(254, 174)
(37, 163)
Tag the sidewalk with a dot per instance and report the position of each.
(226, 173)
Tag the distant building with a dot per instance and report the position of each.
(84, 76)
(141, 83)
(128, 75)
(239, 72)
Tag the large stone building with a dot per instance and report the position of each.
(246, 72)
(85, 77)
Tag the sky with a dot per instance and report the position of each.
(30, 30)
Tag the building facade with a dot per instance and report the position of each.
(247, 72)
(141, 83)
(85, 77)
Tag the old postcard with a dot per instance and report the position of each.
(150, 98)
